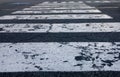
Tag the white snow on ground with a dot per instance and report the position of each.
(60, 56)
(71, 27)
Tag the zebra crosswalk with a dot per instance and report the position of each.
(39, 45)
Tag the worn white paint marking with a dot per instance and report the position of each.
(67, 5)
(46, 2)
(107, 7)
(61, 3)
(71, 2)
(86, 27)
(103, 1)
(71, 27)
(24, 27)
(64, 16)
(66, 8)
(63, 56)
(59, 11)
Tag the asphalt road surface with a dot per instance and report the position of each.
(60, 38)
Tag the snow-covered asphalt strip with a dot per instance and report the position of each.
(82, 46)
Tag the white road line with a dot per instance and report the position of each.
(59, 28)
(64, 16)
(24, 27)
(70, 6)
(66, 8)
(63, 56)
(59, 11)
(102, 1)
(60, 6)
(71, 2)
(46, 2)
(107, 7)
(60, 3)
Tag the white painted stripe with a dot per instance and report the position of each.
(86, 27)
(64, 16)
(45, 2)
(60, 3)
(68, 6)
(60, 8)
(56, 28)
(66, 56)
(59, 11)
(63, 2)
(24, 27)
(71, 5)
(107, 7)
(103, 1)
